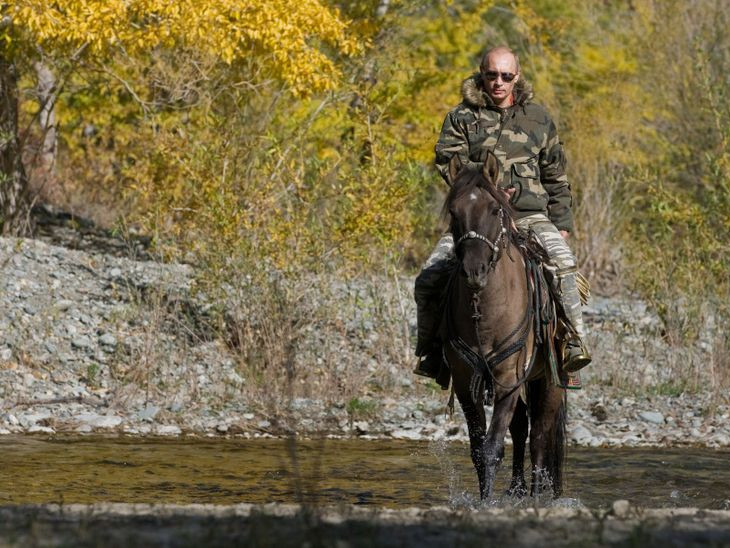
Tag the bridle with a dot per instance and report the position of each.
(483, 363)
(494, 245)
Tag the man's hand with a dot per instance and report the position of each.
(565, 234)
(509, 192)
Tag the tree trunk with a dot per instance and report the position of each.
(47, 120)
(14, 218)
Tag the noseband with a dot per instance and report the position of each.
(494, 245)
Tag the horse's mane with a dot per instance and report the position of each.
(467, 180)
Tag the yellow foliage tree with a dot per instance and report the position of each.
(286, 41)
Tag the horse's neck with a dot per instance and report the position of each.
(501, 303)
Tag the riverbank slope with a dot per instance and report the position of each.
(95, 342)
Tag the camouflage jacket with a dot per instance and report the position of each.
(525, 140)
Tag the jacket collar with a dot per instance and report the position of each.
(474, 95)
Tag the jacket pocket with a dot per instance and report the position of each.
(476, 135)
(530, 195)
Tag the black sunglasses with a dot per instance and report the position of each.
(492, 75)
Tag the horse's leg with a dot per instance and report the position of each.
(547, 436)
(476, 422)
(518, 429)
(504, 407)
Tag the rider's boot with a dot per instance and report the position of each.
(428, 347)
(429, 364)
(428, 291)
(575, 353)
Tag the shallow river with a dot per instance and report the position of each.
(383, 473)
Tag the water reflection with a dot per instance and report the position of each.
(382, 473)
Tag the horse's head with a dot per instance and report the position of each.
(479, 218)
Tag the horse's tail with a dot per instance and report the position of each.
(557, 453)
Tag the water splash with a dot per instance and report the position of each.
(458, 497)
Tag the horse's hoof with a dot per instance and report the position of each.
(517, 490)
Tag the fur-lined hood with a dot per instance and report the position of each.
(474, 95)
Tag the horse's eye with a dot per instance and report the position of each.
(495, 211)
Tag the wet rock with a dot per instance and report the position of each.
(28, 420)
(580, 435)
(405, 435)
(720, 440)
(167, 430)
(37, 429)
(92, 420)
(620, 508)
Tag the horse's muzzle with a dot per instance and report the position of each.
(476, 275)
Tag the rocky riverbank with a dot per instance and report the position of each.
(290, 525)
(92, 342)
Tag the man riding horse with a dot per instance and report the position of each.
(497, 115)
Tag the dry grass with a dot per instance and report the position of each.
(321, 337)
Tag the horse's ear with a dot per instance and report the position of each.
(491, 170)
(455, 166)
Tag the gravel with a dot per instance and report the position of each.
(92, 342)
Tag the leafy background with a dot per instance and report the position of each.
(258, 136)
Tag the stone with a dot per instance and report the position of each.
(93, 420)
(148, 413)
(652, 417)
(37, 429)
(720, 440)
(580, 434)
(405, 435)
(167, 430)
(64, 304)
(81, 343)
(453, 430)
(620, 508)
(27, 420)
(599, 412)
(107, 339)
(361, 427)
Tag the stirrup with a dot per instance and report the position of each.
(575, 355)
(429, 366)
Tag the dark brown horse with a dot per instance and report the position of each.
(490, 336)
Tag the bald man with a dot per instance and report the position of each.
(496, 114)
